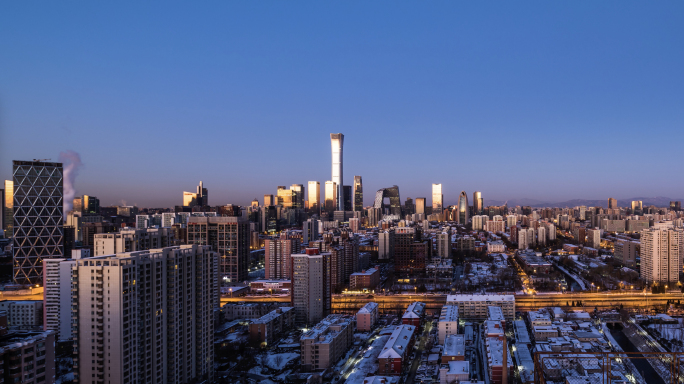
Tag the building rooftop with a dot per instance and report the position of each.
(449, 313)
(398, 342)
(322, 332)
(367, 272)
(369, 307)
(495, 352)
(415, 310)
(272, 315)
(501, 298)
(459, 367)
(454, 345)
(495, 313)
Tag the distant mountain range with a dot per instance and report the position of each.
(658, 201)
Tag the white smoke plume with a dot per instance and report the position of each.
(71, 161)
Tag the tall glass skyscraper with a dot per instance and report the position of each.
(8, 203)
(478, 203)
(358, 194)
(37, 219)
(314, 197)
(331, 196)
(463, 208)
(337, 142)
(437, 198)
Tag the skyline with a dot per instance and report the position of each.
(540, 101)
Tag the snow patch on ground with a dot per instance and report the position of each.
(278, 361)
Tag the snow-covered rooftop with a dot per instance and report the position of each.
(415, 310)
(369, 307)
(449, 313)
(398, 343)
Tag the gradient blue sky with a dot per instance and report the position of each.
(544, 100)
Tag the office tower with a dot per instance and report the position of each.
(330, 196)
(298, 196)
(637, 207)
(662, 248)
(8, 207)
(444, 245)
(315, 197)
(277, 259)
(309, 231)
(612, 203)
(2, 211)
(478, 203)
(90, 204)
(420, 205)
(337, 142)
(358, 194)
(348, 198)
(392, 194)
(145, 317)
(409, 208)
(437, 198)
(268, 200)
(229, 236)
(38, 216)
(57, 297)
(676, 206)
(374, 216)
(77, 204)
(199, 198)
(463, 209)
(311, 294)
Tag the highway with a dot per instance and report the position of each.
(398, 303)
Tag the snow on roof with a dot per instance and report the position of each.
(398, 343)
(495, 352)
(369, 307)
(495, 313)
(381, 380)
(458, 298)
(324, 332)
(449, 313)
(459, 367)
(367, 272)
(414, 311)
(454, 345)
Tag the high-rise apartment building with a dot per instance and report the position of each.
(626, 252)
(229, 237)
(612, 203)
(463, 209)
(199, 198)
(57, 297)
(337, 143)
(131, 240)
(410, 252)
(386, 245)
(420, 205)
(37, 219)
(315, 197)
(331, 196)
(444, 245)
(145, 317)
(593, 238)
(311, 293)
(437, 198)
(661, 253)
(478, 203)
(309, 231)
(278, 256)
(358, 194)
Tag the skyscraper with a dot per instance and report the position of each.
(612, 203)
(191, 199)
(358, 194)
(463, 208)
(637, 207)
(145, 317)
(662, 248)
(348, 198)
(8, 204)
(330, 196)
(297, 196)
(38, 214)
(91, 204)
(437, 198)
(478, 203)
(315, 197)
(420, 205)
(337, 142)
(229, 236)
(391, 193)
(268, 200)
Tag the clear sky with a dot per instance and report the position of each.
(550, 100)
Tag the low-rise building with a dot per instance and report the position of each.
(266, 328)
(496, 246)
(493, 329)
(454, 349)
(543, 332)
(448, 322)
(270, 286)
(538, 318)
(324, 344)
(495, 313)
(414, 314)
(368, 279)
(475, 306)
(454, 372)
(367, 317)
(247, 311)
(494, 348)
(396, 352)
